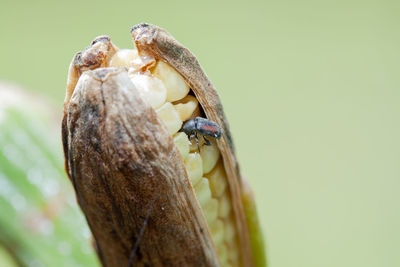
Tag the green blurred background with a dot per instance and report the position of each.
(311, 90)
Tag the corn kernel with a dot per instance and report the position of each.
(173, 81)
(229, 232)
(182, 143)
(193, 165)
(123, 58)
(217, 231)
(186, 107)
(224, 205)
(151, 89)
(203, 192)
(209, 155)
(217, 178)
(210, 210)
(170, 117)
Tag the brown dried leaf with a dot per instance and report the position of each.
(129, 177)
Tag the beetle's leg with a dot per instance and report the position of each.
(194, 135)
(208, 143)
(197, 141)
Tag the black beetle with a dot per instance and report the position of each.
(201, 126)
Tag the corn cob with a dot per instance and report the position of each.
(171, 82)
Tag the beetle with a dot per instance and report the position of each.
(201, 126)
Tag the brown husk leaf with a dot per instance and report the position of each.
(129, 178)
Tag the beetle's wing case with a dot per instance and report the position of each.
(208, 128)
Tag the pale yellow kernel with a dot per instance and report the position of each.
(123, 58)
(170, 117)
(217, 232)
(181, 141)
(150, 88)
(186, 107)
(223, 254)
(217, 178)
(210, 210)
(224, 205)
(203, 193)
(229, 229)
(210, 156)
(194, 169)
(173, 81)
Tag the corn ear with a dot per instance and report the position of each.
(138, 163)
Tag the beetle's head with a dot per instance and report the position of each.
(188, 127)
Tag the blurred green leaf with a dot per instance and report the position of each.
(40, 222)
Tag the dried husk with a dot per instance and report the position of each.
(128, 175)
(129, 178)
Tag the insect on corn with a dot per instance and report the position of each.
(150, 196)
(201, 126)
